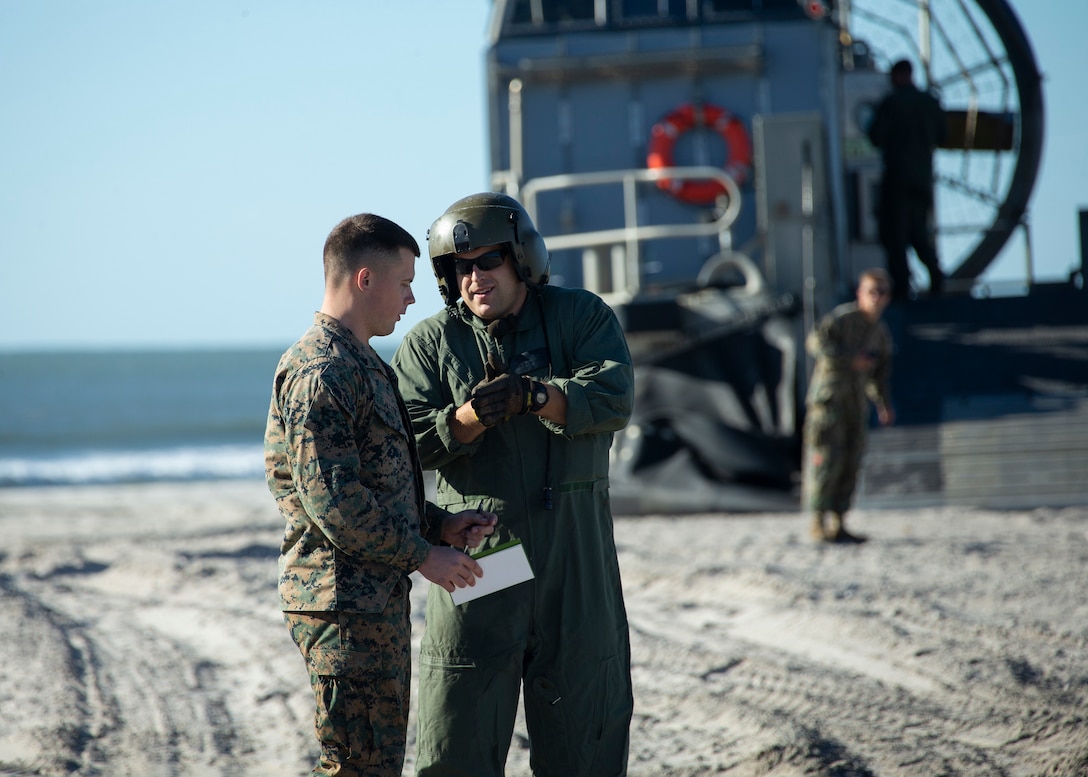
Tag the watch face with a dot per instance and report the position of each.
(540, 396)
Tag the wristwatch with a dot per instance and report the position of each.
(538, 397)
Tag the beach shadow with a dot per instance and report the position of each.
(253, 551)
(81, 567)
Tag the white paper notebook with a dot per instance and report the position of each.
(503, 567)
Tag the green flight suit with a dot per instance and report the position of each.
(564, 634)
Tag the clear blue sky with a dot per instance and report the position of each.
(169, 170)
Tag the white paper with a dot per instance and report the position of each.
(502, 569)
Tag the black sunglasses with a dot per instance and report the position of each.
(484, 262)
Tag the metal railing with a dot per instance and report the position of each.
(629, 236)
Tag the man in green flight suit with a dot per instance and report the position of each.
(515, 390)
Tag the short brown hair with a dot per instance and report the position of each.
(878, 274)
(365, 238)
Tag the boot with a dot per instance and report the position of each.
(819, 533)
(838, 532)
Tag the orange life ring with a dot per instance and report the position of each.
(665, 133)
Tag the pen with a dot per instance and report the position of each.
(479, 510)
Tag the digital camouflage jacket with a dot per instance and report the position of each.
(341, 462)
(834, 342)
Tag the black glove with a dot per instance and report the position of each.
(501, 327)
(500, 394)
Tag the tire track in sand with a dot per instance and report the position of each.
(142, 679)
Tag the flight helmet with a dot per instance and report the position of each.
(485, 219)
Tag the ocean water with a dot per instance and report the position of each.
(133, 416)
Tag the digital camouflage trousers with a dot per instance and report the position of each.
(834, 440)
(360, 670)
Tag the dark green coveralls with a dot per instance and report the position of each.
(563, 634)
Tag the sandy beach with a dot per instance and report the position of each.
(142, 637)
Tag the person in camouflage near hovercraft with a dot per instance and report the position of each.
(853, 349)
(341, 462)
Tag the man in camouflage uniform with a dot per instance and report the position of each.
(342, 465)
(852, 348)
(515, 390)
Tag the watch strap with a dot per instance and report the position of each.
(537, 388)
